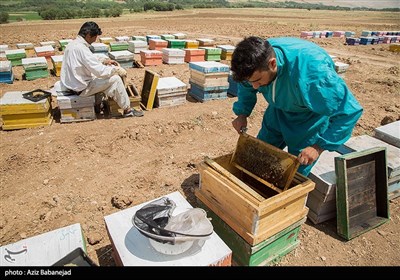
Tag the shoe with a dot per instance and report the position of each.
(133, 113)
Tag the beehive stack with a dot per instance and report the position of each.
(18, 112)
(28, 47)
(208, 80)
(6, 73)
(306, 34)
(170, 92)
(194, 55)
(99, 48)
(106, 40)
(122, 38)
(3, 49)
(48, 43)
(227, 51)
(139, 38)
(212, 54)
(259, 224)
(173, 56)
(35, 68)
(149, 37)
(119, 46)
(179, 35)
(322, 200)
(45, 51)
(63, 43)
(205, 42)
(176, 44)
(15, 56)
(124, 58)
(157, 44)
(191, 44)
(151, 57)
(57, 63)
(135, 46)
(167, 36)
(75, 108)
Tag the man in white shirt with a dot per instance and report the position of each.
(84, 74)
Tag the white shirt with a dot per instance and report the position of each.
(80, 66)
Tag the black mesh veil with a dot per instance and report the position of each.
(155, 221)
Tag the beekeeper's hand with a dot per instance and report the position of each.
(240, 123)
(309, 154)
(121, 71)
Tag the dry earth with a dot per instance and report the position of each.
(55, 176)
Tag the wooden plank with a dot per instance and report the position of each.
(361, 178)
(366, 206)
(149, 89)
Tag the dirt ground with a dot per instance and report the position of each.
(55, 176)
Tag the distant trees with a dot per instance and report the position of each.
(4, 17)
(52, 13)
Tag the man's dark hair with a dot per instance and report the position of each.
(251, 54)
(90, 27)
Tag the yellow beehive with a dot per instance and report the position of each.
(18, 112)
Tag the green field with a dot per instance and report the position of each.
(23, 16)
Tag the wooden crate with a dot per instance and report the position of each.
(361, 192)
(134, 97)
(253, 210)
(265, 253)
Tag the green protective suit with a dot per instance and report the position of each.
(309, 103)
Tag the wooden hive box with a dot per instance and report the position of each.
(255, 211)
(18, 112)
(265, 253)
(134, 98)
(361, 191)
(170, 92)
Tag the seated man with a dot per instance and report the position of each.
(84, 74)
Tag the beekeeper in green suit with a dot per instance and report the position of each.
(310, 108)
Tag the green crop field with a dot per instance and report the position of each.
(22, 16)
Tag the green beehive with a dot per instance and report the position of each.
(167, 36)
(15, 56)
(176, 44)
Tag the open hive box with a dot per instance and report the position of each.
(255, 208)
